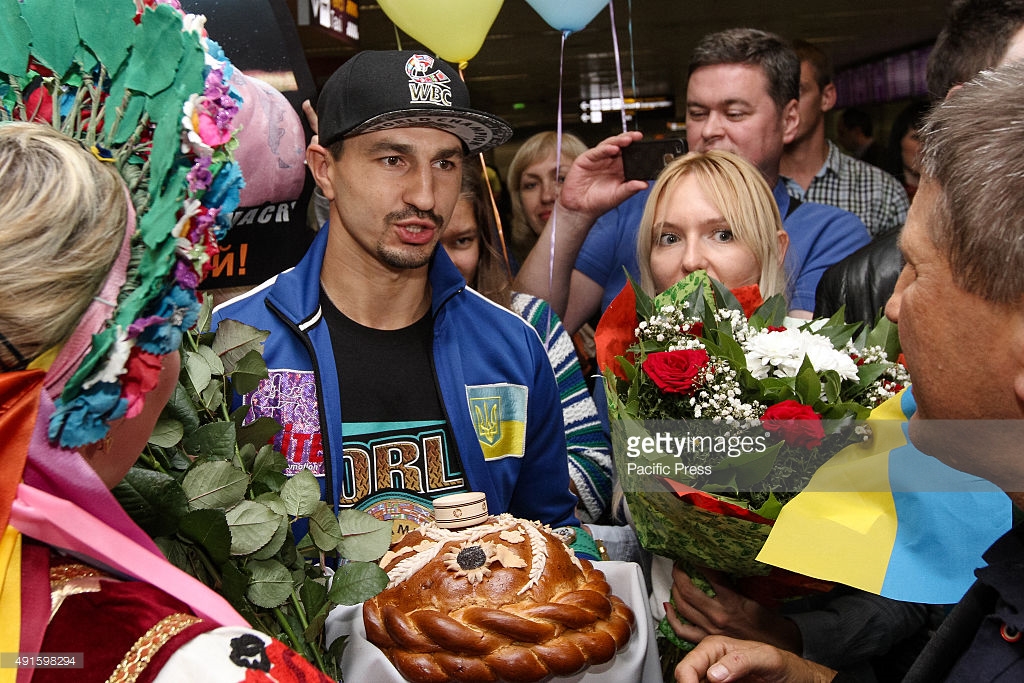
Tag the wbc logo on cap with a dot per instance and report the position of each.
(426, 86)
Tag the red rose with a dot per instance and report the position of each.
(677, 372)
(796, 423)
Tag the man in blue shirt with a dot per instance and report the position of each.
(742, 97)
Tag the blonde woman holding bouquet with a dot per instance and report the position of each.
(714, 212)
(709, 211)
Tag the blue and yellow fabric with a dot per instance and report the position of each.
(888, 519)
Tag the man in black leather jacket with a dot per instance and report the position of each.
(862, 281)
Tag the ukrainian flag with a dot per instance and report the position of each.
(499, 417)
(890, 520)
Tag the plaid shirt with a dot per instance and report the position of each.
(875, 196)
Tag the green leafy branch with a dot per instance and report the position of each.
(211, 492)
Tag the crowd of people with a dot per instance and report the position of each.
(427, 344)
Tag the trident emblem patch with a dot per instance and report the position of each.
(487, 418)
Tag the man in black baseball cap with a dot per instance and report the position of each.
(396, 383)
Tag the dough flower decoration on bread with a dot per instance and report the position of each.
(473, 560)
(505, 600)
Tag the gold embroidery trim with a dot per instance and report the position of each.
(62, 573)
(139, 656)
(71, 579)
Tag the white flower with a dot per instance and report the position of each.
(116, 361)
(191, 142)
(781, 354)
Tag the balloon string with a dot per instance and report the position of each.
(490, 194)
(558, 171)
(632, 52)
(398, 38)
(618, 63)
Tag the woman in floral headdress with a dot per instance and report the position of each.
(70, 556)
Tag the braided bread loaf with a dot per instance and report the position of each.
(505, 600)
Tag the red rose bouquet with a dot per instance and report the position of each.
(721, 411)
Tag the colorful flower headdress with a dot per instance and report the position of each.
(139, 84)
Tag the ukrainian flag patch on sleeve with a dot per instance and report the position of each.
(499, 418)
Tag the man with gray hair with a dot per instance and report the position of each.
(964, 247)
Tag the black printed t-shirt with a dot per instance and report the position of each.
(399, 453)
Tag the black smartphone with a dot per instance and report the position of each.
(643, 160)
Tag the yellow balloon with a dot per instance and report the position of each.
(453, 29)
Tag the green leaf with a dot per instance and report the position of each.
(259, 433)
(197, 370)
(313, 595)
(216, 364)
(167, 433)
(234, 340)
(771, 312)
(691, 289)
(157, 51)
(209, 529)
(833, 386)
(301, 493)
(54, 33)
(205, 319)
(252, 525)
(357, 582)
(174, 550)
(273, 501)
(324, 527)
(366, 538)
(215, 440)
(276, 542)
(644, 304)
(808, 384)
(107, 28)
(215, 484)
(213, 396)
(233, 584)
(153, 499)
(316, 623)
(249, 370)
(744, 471)
(270, 583)
(269, 468)
(771, 508)
(15, 37)
(181, 408)
(885, 334)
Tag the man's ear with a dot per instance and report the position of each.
(790, 121)
(828, 97)
(321, 165)
(1017, 320)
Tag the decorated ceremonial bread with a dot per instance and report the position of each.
(502, 600)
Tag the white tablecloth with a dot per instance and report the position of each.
(636, 662)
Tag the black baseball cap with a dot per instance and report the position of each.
(381, 89)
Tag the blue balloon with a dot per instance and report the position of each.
(568, 15)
